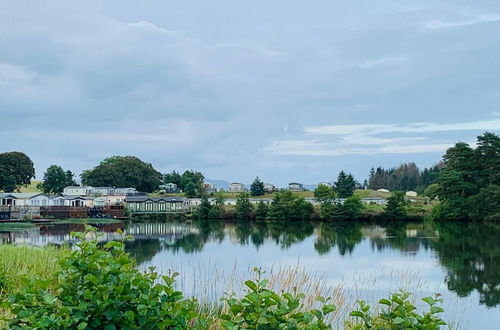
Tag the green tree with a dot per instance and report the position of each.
(257, 187)
(396, 206)
(123, 171)
(349, 210)
(217, 210)
(288, 206)
(467, 183)
(345, 185)
(326, 197)
(190, 189)
(55, 179)
(487, 156)
(203, 210)
(173, 177)
(243, 206)
(486, 204)
(16, 170)
(192, 183)
(261, 211)
(431, 191)
(324, 194)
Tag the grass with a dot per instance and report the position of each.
(86, 221)
(15, 226)
(32, 187)
(19, 262)
(27, 260)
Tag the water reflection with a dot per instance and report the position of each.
(471, 255)
(468, 252)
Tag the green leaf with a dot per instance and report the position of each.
(384, 302)
(357, 314)
(251, 285)
(398, 320)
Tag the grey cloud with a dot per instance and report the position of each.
(211, 87)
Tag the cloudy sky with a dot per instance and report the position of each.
(287, 90)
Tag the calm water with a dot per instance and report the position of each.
(459, 260)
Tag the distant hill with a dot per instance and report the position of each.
(219, 183)
(310, 186)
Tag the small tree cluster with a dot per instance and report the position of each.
(55, 179)
(190, 182)
(16, 170)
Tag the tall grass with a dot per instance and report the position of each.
(16, 261)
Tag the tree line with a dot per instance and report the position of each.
(468, 185)
(405, 177)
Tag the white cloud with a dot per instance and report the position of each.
(383, 62)
(364, 139)
(440, 24)
(493, 124)
(15, 72)
(316, 148)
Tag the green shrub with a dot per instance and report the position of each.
(101, 288)
(261, 308)
(398, 313)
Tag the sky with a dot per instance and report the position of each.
(286, 90)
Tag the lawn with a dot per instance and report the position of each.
(32, 187)
(86, 221)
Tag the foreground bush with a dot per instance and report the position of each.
(398, 313)
(261, 308)
(101, 288)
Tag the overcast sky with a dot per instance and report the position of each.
(287, 90)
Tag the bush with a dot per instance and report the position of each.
(398, 313)
(261, 308)
(396, 207)
(101, 288)
(287, 206)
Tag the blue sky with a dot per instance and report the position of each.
(287, 90)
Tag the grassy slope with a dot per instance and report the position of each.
(31, 187)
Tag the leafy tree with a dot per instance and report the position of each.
(326, 197)
(243, 206)
(16, 170)
(404, 177)
(288, 206)
(396, 206)
(192, 183)
(257, 187)
(203, 210)
(324, 194)
(469, 179)
(190, 189)
(349, 210)
(486, 204)
(217, 210)
(487, 157)
(55, 179)
(173, 177)
(431, 191)
(345, 185)
(123, 171)
(261, 211)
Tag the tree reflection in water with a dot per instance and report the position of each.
(469, 252)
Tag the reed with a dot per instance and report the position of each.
(19, 261)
